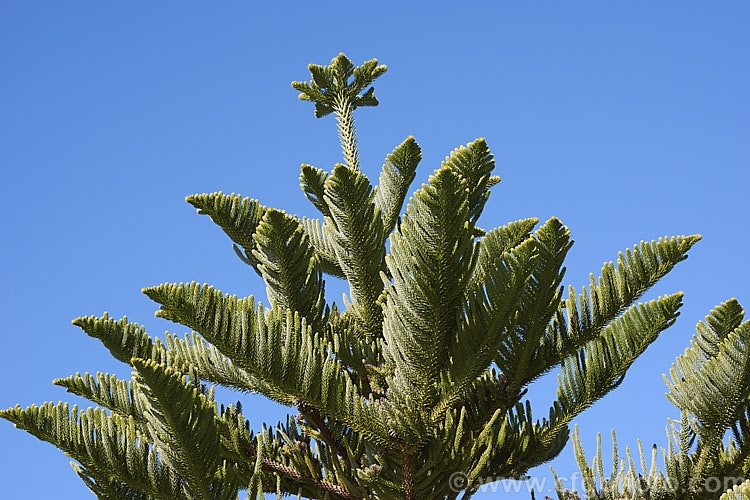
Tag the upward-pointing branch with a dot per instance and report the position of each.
(347, 134)
(341, 88)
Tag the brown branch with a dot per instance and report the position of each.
(269, 465)
(312, 415)
(408, 475)
(339, 492)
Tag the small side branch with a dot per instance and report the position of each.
(338, 493)
(311, 414)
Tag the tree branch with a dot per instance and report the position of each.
(339, 493)
(408, 475)
(311, 414)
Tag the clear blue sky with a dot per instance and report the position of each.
(627, 120)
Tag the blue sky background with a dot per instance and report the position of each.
(627, 120)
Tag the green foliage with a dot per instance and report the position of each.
(395, 179)
(237, 216)
(338, 89)
(738, 492)
(710, 385)
(289, 267)
(420, 375)
(330, 83)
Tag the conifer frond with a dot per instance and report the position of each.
(113, 455)
(509, 444)
(237, 216)
(488, 324)
(127, 340)
(649, 482)
(405, 419)
(362, 358)
(482, 398)
(124, 340)
(739, 492)
(397, 175)
(680, 464)
(493, 245)
(474, 163)
(289, 267)
(312, 181)
(356, 231)
(288, 461)
(538, 304)
(328, 82)
(513, 309)
(332, 92)
(183, 424)
(276, 347)
(317, 464)
(720, 322)
(119, 396)
(322, 241)
(738, 452)
(715, 389)
(108, 489)
(211, 364)
(580, 319)
(680, 480)
(600, 365)
(431, 265)
(710, 385)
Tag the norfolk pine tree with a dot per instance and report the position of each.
(710, 384)
(412, 389)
